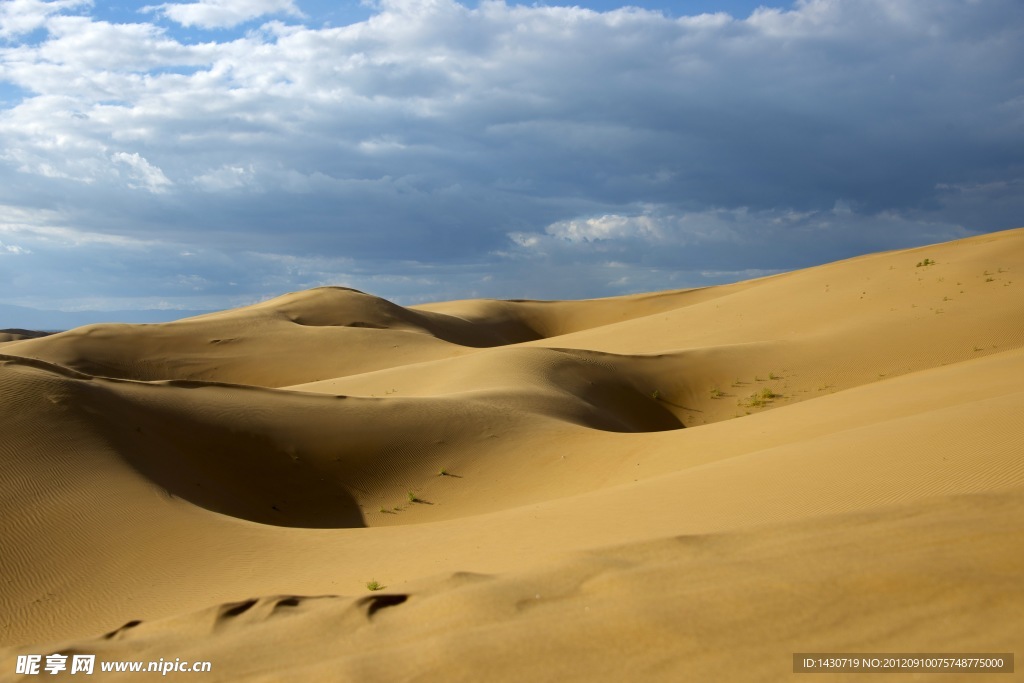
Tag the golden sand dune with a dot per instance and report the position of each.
(686, 485)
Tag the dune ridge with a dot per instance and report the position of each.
(565, 490)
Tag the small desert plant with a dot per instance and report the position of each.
(374, 585)
(717, 393)
(772, 375)
(761, 398)
(655, 394)
(412, 497)
(442, 472)
(926, 262)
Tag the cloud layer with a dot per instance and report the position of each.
(222, 13)
(502, 148)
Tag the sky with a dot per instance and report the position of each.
(189, 156)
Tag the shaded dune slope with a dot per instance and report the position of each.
(294, 458)
(619, 390)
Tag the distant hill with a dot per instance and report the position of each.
(24, 318)
(17, 334)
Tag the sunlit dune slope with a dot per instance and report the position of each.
(826, 459)
(702, 607)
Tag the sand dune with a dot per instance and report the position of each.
(684, 485)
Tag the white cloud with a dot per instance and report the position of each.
(49, 229)
(141, 173)
(227, 177)
(655, 227)
(18, 17)
(222, 13)
(13, 249)
(606, 227)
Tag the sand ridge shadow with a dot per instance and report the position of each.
(222, 467)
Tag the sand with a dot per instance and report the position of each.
(686, 485)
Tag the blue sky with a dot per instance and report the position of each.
(208, 154)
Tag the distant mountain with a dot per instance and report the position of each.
(20, 333)
(22, 317)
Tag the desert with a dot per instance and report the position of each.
(683, 485)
